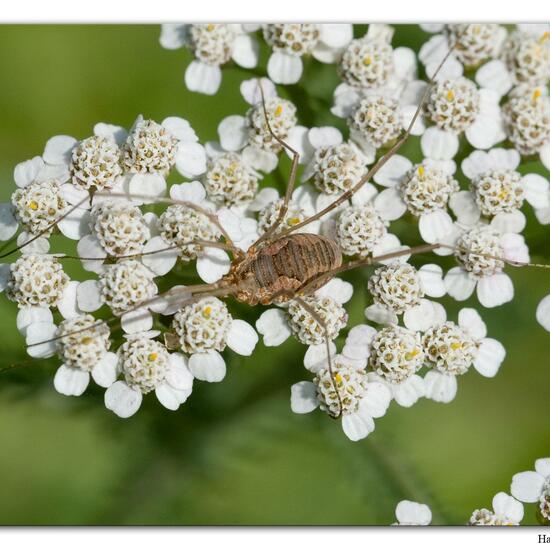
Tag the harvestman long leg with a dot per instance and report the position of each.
(291, 180)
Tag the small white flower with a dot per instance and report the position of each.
(204, 329)
(527, 120)
(249, 134)
(424, 190)
(473, 44)
(35, 280)
(408, 512)
(213, 45)
(450, 349)
(534, 486)
(482, 252)
(457, 106)
(393, 355)
(498, 190)
(361, 399)
(399, 289)
(507, 511)
(276, 325)
(146, 365)
(291, 41)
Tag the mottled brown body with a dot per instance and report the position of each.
(275, 272)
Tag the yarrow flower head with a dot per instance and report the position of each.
(292, 41)
(527, 57)
(451, 349)
(506, 511)
(213, 45)
(146, 366)
(356, 399)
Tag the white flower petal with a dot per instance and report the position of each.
(146, 187)
(431, 276)
(31, 245)
(357, 426)
(389, 204)
(377, 313)
(422, 316)
(435, 226)
(190, 159)
(284, 68)
(440, 387)
(137, 320)
(393, 171)
(404, 60)
(495, 290)
(303, 397)
(536, 190)
(178, 375)
(39, 339)
(273, 326)
(117, 133)
(544, 154)
(336, 35)
(76, 224)
(213, 264)
(408, 113)
(5, 274)
(192, 191)
(250, 90)
(208, 367)
(104, 372)
(260, 159)
(459, 284)
(324, 136)
(28, 171)
(8, 223)
(29, 315)
(438, 144)
(242, 338)
(246, 51)
(413, 513)
(159, 263)
(489, 357)
(507, 507)
(358, 341)
(376, 400)
(527, 486)
(173, 35)
(410, 391)
(298, 140)
(71, 381)
(233, 133)
(170, 397)
(180, 129)
(339, 290)
(471, 322)
(485, 131)
(542, 466)
(543, 312)
(122, 400)
(464, 206)
(203, 78)
(88, 296)
(495, 76)
(68, 304)
(315, 358)
(58, 150)
(509, 222)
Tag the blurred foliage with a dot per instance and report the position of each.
(234, 453)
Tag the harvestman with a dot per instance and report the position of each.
(281, 265)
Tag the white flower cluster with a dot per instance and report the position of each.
(98, 191)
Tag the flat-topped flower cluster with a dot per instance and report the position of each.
(98, 191)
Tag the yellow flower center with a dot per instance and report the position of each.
(412, 354)
(450, 95)
(279, 110)
(86, 340)
(338, 378)
(544, 37)
(153, 356)
(206, 312)
(536, 94)
(210, 27)
(456, 345)
(293, 221)
(421, 171)
(367, 60)
(33, 205)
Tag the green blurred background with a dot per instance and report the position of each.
(234, 453)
